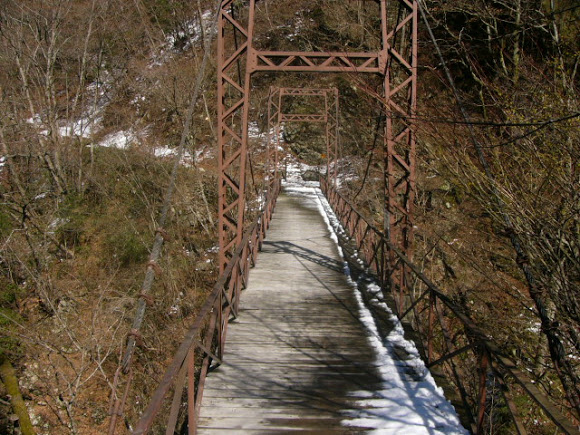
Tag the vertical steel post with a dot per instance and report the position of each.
(332, 114)
(399, 52)
(336, 132)
(234, 74)
(273, 133)
(278, 133)
(269, 154)
(328, 145)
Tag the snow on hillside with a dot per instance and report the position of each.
(182, 39)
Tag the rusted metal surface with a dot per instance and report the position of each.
(273, 144)
(400, 87)
(234, 42)
(207, 335)
(300, 61)
(328, 115)
(396, 61)
(332, 134)
(488, 359)
(297, 117)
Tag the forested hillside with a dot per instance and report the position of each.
(94, 99)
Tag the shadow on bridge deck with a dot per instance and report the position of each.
(298, 357)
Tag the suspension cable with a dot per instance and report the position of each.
(159, 236)
(160, 233)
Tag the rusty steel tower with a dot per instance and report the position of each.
(395, 62)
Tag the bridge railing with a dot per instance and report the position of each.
(204, 343)
(472, 361)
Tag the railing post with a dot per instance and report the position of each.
(220, 320)
(191, 420)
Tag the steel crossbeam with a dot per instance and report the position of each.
(396, 62)
(311, 92)
(298, 117)
(297, 61)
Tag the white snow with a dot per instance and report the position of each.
(164, 152)
(187, 159)
(83, 127)
(214, 249)
(404, 405)
(190, 33)
(120, 140)
(254, 131)
(294, 171)
(89, 122)
(58, 222)
(204, 152)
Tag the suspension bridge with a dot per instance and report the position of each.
(307, 349)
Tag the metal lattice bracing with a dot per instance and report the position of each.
(399, 27)
(234, 44)
(328, 116)
(396, 61)
(332, 112)
(274, 109)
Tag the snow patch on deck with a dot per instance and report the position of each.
(402, 406)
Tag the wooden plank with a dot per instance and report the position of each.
(298, 357)
(297, 353)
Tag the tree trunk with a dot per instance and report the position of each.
(8, 375)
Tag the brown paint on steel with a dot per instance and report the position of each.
(274, 109)
(396, 61)
(332, 133)
(486, 351)
(400, 88)
(299, 61)
(298, 117)
(233, 103)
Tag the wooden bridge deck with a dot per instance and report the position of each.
(298, 357)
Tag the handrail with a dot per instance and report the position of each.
(214, 316)
(374, 247)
